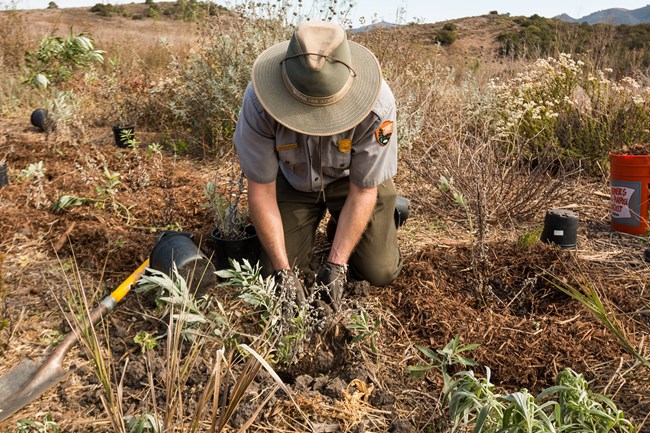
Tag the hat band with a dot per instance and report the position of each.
(317, 101)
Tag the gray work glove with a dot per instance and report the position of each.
(332, 278)
(289, 285)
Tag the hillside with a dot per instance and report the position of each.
(108, 29)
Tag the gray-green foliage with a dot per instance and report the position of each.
(364, 328)
(197, 315)
(285, 324)
(229, 217)
(208, 88)
(584, 410)
(145, 423)
(107, 197)
(568, 406)
(443, 359)
(57, 60)
(254, 289)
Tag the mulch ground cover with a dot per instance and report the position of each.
(503, 296)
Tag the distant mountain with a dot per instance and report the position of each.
(374, 26)
(614, 16)
(566, 18)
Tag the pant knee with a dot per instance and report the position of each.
(377, 275)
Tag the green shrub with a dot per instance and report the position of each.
(103, 10)
(152, 12)
(188, 10)
(58, 58)
(446, 37)
(536, 36)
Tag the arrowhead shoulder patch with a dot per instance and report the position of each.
(384, 132)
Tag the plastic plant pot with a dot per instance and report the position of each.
(561, 228)
(247, 248)
(39, 118)
(178, 248)
(4, 177)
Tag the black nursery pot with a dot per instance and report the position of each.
(560, 228)
(123, 134)
(174, 247)
(236, 249)
(401, 210)
(39, 118)
(4, 177)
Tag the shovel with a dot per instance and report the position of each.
(31, 378)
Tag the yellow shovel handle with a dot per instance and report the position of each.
(126, 285)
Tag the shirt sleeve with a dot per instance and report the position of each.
(373, 160)
(255, 141)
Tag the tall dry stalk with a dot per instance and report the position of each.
(95, 343)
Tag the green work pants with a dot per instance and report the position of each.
(376, 258)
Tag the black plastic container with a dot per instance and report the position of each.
(561, 228)
(236, 249)
(401, 210)
(123, 135)
(4, 177)
(39, 118)
(174, 247)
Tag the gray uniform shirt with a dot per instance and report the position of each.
(310, 163)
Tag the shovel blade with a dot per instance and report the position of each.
(26, 382)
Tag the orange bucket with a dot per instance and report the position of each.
(629, 180)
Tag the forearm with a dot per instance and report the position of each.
(352, 221)
(266, 218)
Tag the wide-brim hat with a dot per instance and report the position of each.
(317, 85)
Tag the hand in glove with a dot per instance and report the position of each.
(288, 284)
(333, 278)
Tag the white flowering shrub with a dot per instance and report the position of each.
(556, 104)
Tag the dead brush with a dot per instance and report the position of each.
(14, 40)
(494, 183)
(500, 186)
(483, 181)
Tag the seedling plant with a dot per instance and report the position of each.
(365, 328)
(443, 359)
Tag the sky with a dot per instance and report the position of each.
(417, 10)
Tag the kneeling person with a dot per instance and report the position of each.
(316, 133)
